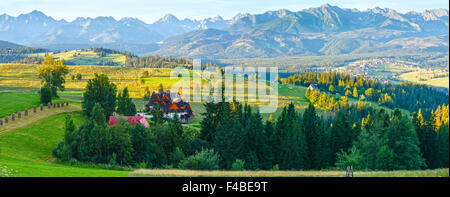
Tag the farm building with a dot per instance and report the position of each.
(132, 119)
(170, 104)
(313, 87)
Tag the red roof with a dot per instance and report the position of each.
(132, 119)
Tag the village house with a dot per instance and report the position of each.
(170, 104)
(313, 87)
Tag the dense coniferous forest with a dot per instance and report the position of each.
(145, 61)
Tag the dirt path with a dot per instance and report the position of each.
(33, 117)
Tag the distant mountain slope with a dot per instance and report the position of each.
(325, 30)
(9, 45)
(37, 29)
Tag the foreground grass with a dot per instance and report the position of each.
(13, 102)
(28, 150)
(194, 173)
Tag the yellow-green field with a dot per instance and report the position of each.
(427, 78)
(25, 75)
(79, 57)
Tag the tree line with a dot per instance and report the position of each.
(296, 141)
(405, 95)
(20, 55)
(143, 61)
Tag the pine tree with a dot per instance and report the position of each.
(401, 138)
(342, 136)
(355, 93)
(314, 138)
(385, 158)
(157, 115)
(270, 142)
(443, 146)
(293, 149)
(331, 88)
(229, 138)
(209, 122)
(99, 137)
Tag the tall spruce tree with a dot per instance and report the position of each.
(401, 138)
(314, 138)
(443, 152)
(342, 135)
(293, 143)
(125, 105)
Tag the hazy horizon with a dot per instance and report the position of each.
(150, 12)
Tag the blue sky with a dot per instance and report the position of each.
(151, 10)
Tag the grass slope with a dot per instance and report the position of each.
(28, 150)
(13, 102)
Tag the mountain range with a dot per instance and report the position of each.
(325, 30)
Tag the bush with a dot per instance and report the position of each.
(207, 159)
(238, 165)
(177, 156)
(46, 94)
(352, 159)
(276, 167)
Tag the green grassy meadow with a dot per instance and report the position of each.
(28, 151)
(13, 102)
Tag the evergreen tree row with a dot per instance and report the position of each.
(390, 95)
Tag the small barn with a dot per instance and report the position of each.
(131, 119)
(313, 87)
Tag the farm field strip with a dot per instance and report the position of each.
(426, 78)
